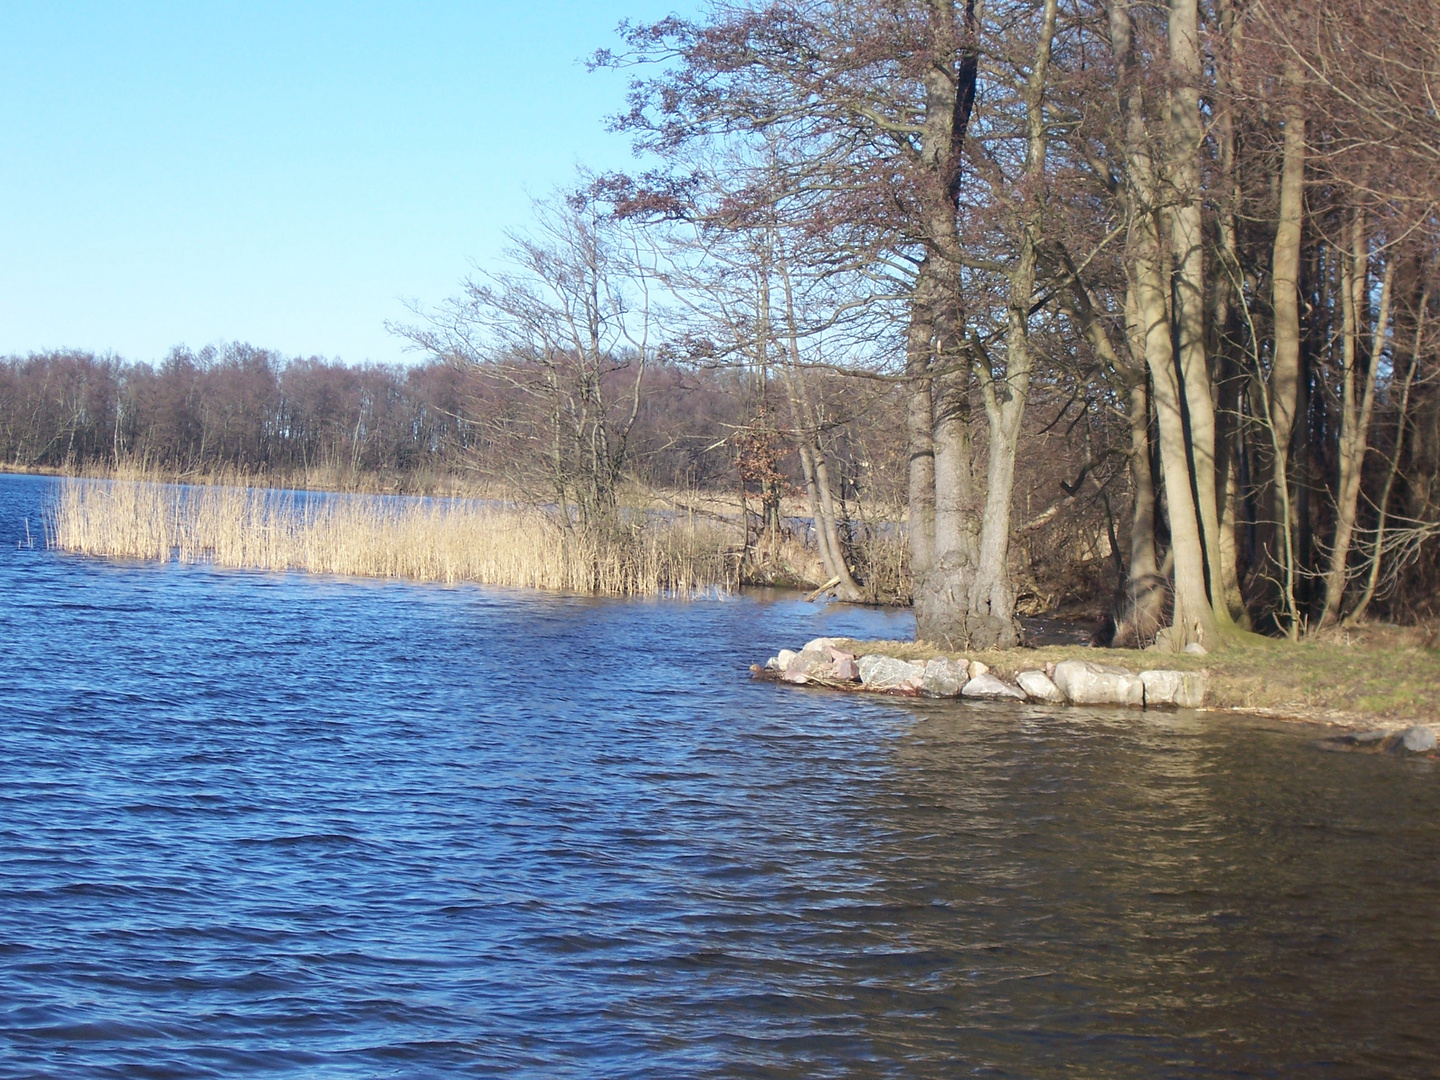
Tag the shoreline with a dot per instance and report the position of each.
(1361, 678)
(34, 470)
(1390, 684)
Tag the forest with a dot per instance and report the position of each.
(1099, 303)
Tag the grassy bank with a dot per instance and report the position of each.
(1371, 677)
(375, 536)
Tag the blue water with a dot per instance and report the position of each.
(274, 825)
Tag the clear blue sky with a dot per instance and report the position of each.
(282, 173)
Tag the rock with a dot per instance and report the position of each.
(1084, 682)
(819, 644)
(790, 675)
(986, 685)
(1196, 649)
(773, 664)
(943, 678)
(1160, 687)
(842, 662)
(1419, 739)
(869, 664)
(783, 658)
(1183, 688)
(811, 662)
(1193, 685)
(887, 673)
(1038, 687)
(977, 668)
(1050, 669)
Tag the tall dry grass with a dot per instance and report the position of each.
(378, 536)
(448, 484)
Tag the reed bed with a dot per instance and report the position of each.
(447, 540)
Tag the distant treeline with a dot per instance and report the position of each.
(254, 410)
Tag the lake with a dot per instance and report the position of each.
(272, 825)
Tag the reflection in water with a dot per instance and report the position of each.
(302, 827)
(1170, 894)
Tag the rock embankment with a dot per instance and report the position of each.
(1077, 682)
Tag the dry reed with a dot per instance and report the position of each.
(378, 536)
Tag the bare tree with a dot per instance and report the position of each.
(570, 330)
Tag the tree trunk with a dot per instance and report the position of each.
(919, 431)
(812, 454)
(1284, 381)
(955, 519)
(1149, 317)
(1188, 244)
(847, 588)
(1131, 374)
(1285, 289)
(1193, 619)
(821, 504)
(982, 615)
(1373, 578)
(1228, 301)
(941, 494)
(1356, 406)
(1143, 563)
(993, 595)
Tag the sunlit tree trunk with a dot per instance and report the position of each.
(1193, 619)
(1188, 244)
(940, 491)
(993, 595)
(1228, 301)
(956, 524)
(1284, 381)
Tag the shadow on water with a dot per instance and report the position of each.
(267, 824)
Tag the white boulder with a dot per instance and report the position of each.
(1183, 688)
(1419, 739)
(1084, 682)
(986, 685)
(887, 673)
(943, 677)
(811, 662)
(1038, 687)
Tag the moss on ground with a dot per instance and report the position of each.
(1367, 680)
